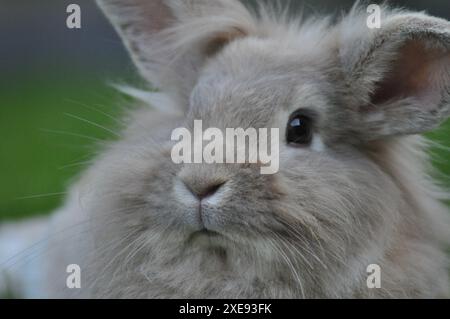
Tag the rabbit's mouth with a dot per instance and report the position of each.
(205, 232)
(205, 237)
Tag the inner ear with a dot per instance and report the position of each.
(220, 40)
(412, 73)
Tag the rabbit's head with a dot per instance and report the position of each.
(345, 98)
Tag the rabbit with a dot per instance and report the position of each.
(354, 186)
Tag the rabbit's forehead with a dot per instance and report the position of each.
(233, 101)
(252, 86)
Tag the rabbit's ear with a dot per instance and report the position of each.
(169, 40)
(399, 75)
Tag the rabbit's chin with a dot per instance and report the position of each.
(207, 238)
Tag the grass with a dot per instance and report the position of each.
(441, 155)
(45, 134)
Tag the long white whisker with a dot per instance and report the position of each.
(92, 123)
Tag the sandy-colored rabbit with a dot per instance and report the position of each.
(353, 187)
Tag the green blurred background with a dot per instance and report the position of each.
(56, 101)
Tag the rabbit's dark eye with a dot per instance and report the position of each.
(299, 130)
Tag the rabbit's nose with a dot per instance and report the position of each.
(204, 190)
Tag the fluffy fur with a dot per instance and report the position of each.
(309, 231)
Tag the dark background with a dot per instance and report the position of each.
(55, 98)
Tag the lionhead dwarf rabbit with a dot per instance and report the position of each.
(352, 188)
